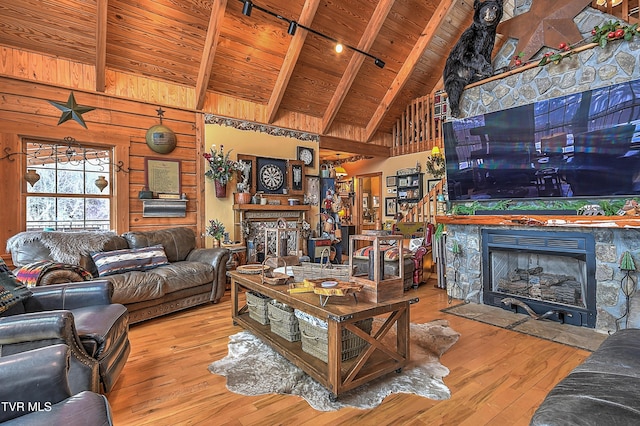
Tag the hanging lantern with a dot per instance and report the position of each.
(32, 177)
(101, 183)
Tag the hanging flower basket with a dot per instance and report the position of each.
(221, 189)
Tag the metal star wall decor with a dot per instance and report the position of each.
(547, 23)
(71, 110)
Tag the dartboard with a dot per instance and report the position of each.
(271, 177)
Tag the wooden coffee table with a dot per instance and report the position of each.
(378, 358)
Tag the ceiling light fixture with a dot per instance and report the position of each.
(339, 47)
(340, 171)
(248, 6)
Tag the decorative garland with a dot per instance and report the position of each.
(609, 31)
(263, 128)
(436, 165)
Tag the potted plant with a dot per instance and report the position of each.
(221, 169)
(216, 230)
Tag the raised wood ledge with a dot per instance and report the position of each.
(543, 220)
(271, 207)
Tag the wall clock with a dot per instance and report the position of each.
(305, 155)
(271, 175)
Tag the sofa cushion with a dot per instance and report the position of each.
(180, 275)
(12, 291)
(136, 286)
(137, 259)
(177, 242)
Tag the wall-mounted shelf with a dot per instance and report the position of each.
(164, 208)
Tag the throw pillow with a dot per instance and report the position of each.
(363, 253)
(392, 253)
(140, 259)
(12, 291)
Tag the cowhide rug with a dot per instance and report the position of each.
(253, 368)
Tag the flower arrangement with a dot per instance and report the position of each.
(215, 229)
(221, 168)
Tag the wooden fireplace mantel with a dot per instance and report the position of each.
(543, 220)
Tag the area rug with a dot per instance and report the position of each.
(571, 335)
(253, 368)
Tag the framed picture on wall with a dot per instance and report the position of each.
(431, 183)
(390, 206)
(392, 181)
(162, 175)
(295, 177)
(251, 159)
(312, 190)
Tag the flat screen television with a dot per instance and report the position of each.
(580, 145)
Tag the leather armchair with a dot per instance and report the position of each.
(80, 316)
(34, 390)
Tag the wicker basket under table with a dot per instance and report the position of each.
(315, 340)
(283, 322)
(257, 304)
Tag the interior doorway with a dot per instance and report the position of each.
(368, 209)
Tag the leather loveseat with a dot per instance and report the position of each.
(190, 276)
(603, 390)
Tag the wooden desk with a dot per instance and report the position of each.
(377, 359)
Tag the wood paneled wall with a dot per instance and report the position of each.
(26, 112)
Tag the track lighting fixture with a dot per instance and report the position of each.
(293, 25)
(248, 6)
(246, 9)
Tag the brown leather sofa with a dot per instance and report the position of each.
(192, 277)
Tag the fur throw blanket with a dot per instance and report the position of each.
(65, 247)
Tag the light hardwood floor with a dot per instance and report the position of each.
(498, 377)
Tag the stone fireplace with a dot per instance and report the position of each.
(598, 298)
(601, 301)
(549, 273)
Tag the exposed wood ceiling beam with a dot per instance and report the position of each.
(345, 145)
(209, 50)
(409, 65)
(366, 41)
(101, 44)
(295, 47)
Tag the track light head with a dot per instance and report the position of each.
(293, 26)
(379, 62)
(246, 9)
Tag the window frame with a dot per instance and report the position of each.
(109, 193)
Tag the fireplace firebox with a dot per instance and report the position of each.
(543, 274)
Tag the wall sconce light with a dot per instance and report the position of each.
(247, 8)
(293, 26)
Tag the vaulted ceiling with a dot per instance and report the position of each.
(211, 47)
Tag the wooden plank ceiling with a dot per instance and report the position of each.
(210, 46)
